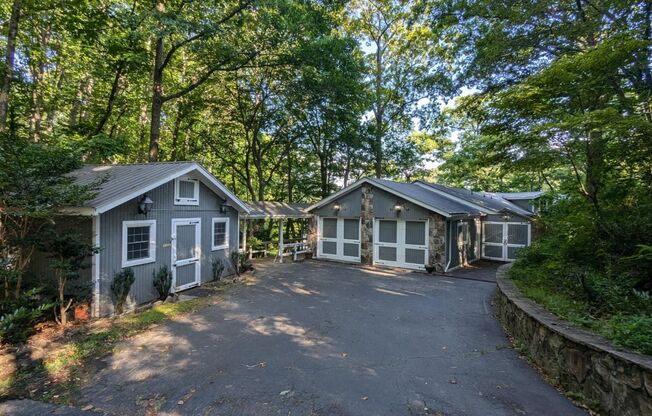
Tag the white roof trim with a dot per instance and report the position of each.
(380, 186)
(455, 198)
(195, 166)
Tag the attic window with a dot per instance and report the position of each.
(186, 191)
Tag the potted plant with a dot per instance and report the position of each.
(82, 311)
(430, 268)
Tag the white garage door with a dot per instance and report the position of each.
(339, 239)
(401, 243)
(503, 240)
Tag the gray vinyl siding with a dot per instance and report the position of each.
(39, 268)
(525, 204)
(499, 218)
(163, 211)
(385, 203)
(350, 206)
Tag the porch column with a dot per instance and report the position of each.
(367, 225)
(244, 235)
(280, 240)
(437, 241)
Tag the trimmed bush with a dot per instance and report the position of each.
(162, 281)
(120, 287)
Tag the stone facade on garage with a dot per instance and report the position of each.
(367, 225)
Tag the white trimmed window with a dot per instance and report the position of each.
(220, 233)
(138, 242)
(186, 191)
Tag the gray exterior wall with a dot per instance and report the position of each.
(384, 203)
(163, 212)
(350, 205)
(525, 204)
(499, 218)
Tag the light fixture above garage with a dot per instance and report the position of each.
(145, 204)
(398, 207)
(337, 206)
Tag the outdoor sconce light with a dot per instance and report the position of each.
(506, 217)
(145, 205)
(224, 207)
(398, 207)
(337, 206)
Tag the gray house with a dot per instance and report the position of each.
(147, 215)
(375, 221)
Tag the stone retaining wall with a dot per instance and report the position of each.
(579, 361)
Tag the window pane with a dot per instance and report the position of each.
(415, 233)
(387, 231)
(187, 189)
(493, 233)
(329, 247)
(493, 251)
(329, 226)
(219, 234)
(415, 256)
(387, 253)
(137, 242)
(351, 229)
(517, 234)
(351, 249)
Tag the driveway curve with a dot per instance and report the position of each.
(331, 339)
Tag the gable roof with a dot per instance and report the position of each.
(491, 203)
(520, 196)
(123, 182)
(441, 199)
(418, 195)
(270, 209)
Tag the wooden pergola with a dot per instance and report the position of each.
(277, 211)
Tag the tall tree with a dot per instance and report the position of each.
(10, 56)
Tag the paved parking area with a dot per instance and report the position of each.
(331, 339)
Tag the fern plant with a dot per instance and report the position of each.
(120, 287)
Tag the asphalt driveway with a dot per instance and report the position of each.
(330, 339)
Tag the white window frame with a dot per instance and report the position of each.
(152, 242)
(186, 201)
(226, 240)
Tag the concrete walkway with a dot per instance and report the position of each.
(331, 339)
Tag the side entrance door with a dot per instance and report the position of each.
(401, 243)
(502, 240)
(186, 253)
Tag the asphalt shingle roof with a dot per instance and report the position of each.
(269, 209)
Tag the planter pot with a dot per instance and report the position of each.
(82, 312)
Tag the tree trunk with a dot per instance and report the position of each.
(111, 101)
(379, 112)
(9, 63)
(323, 176)
(175, 132)
(157, 102)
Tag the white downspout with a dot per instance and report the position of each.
(95, 271)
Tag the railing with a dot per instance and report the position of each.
(291, 248)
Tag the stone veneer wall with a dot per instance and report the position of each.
(367, 225)
(437, 241)
(312, 235)
(581, 362)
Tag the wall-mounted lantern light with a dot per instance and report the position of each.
(145, 205)
(224, 207)
(506, 217)
(398, 207)
(337, 206)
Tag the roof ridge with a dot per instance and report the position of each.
(178, 162)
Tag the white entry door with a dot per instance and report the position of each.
(401, 243)
(502, 240)
(339, 239)
(186, 253)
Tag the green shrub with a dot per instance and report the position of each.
(120, 287)
(18, 317)
(631, 331)
(162, 281)
(217, 265)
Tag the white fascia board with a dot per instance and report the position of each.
(195, 166)
(456, 199)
